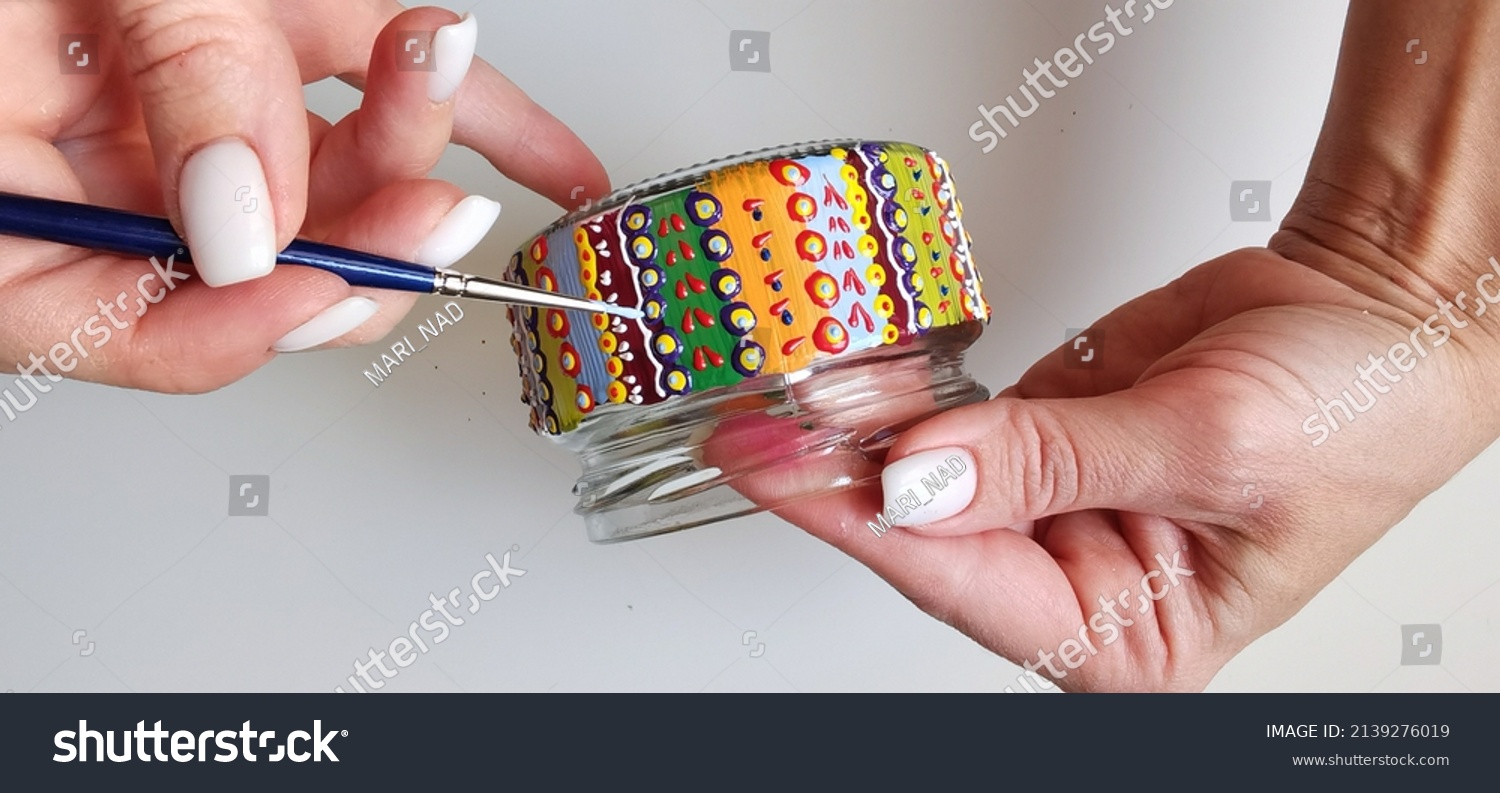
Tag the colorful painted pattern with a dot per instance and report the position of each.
(761, 267)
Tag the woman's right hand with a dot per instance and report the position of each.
(194, 109)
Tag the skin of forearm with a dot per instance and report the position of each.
(1400, 201)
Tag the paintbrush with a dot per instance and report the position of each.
(130, 234)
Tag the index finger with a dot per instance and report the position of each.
(524, 141)
(492, 115)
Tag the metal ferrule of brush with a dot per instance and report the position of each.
(456, 284)
(450, 283)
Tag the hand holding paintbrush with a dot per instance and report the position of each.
(199, 118)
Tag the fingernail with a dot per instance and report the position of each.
(929, 486)
(226, 213)
(459, 232)
(452, 52)
(334, 322)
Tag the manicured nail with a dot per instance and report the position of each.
(334, 322)
(929, 486)
(452, 51)
(459, 232)
(226, 213)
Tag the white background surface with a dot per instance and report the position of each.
(113, 503)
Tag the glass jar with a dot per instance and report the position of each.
(803, 305)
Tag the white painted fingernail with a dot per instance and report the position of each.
(452, 52)
(334, 322)
(459, 232)
(929, 486)
(226, 213)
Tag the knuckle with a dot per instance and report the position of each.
(171, 51)
(1219, 457)
(1043, 459)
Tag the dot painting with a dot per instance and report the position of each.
(760, 267)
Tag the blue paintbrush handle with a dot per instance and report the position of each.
(129, 234)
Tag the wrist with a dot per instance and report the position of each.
(1399, 203)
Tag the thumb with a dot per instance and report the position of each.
(1007, 462)
(224, 110)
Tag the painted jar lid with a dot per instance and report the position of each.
(769, 263)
